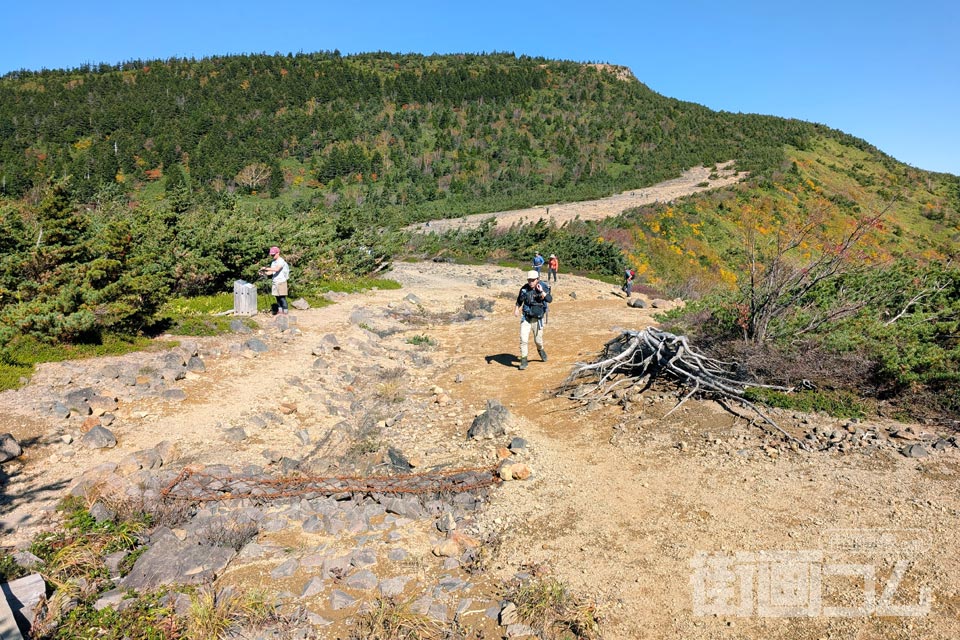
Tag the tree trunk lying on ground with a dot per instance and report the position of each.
(636, 359)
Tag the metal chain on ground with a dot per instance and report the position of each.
(197, 486)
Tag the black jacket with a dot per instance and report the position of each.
(529, 298)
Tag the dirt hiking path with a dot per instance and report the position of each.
(692, 181)
(694, 526)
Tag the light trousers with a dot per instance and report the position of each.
(526, 326)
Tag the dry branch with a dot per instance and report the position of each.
(639, 358)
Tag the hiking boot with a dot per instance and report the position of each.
(543, 354)
(523, 364)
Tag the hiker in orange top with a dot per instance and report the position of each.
(552, 265)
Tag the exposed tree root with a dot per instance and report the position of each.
(639, 358)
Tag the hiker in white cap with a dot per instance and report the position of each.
(532, 307)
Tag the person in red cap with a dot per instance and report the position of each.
(279, 272)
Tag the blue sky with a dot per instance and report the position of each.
(885, 71)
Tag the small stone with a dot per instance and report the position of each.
(520, 471)
(393, 587)
(286, 569)
(447, 549)
(518, 443)
(340, 600)
(916, 451)
(363, 580)
(313, 587)
(99, 438)
(508, 614)
(447, 522)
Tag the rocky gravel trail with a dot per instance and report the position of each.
(698, 525)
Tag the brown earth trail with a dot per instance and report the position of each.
(661, 520)
(622, 503)
(692, 181)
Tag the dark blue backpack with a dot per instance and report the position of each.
(535, 306)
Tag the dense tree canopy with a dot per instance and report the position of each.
(384, 128)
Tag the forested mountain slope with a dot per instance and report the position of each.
(375, 129)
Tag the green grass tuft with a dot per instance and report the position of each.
(24, 353)
(422, 340)
(839, 404)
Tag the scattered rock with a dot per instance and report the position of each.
(513, 471)
(340, 600)
(447, 549)
(508, 614)
(492, 423)
(170, 561)
(915, 451)
(393, 587)
(256, 345)
(314, 586)
(518, 444)
(447, 522)
(9, 447)
(99, 438)
(174, 394)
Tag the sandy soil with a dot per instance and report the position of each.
(685, 527)
(692, 181)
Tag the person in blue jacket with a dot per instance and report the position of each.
(537, 262)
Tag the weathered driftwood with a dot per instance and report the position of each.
(638, 358)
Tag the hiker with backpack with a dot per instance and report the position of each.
(552, 265)
(537, 262)
(532, 303)
(628, 281)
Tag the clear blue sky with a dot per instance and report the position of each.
(886, 71)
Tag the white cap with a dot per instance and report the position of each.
(532, 275)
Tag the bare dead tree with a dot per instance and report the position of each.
(639, 358)
(253, 176)
(933, 289)
(780, 280)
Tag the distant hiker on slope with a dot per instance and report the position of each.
(537, 262)
(532, 303)
(552, 265)
(628, 276)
